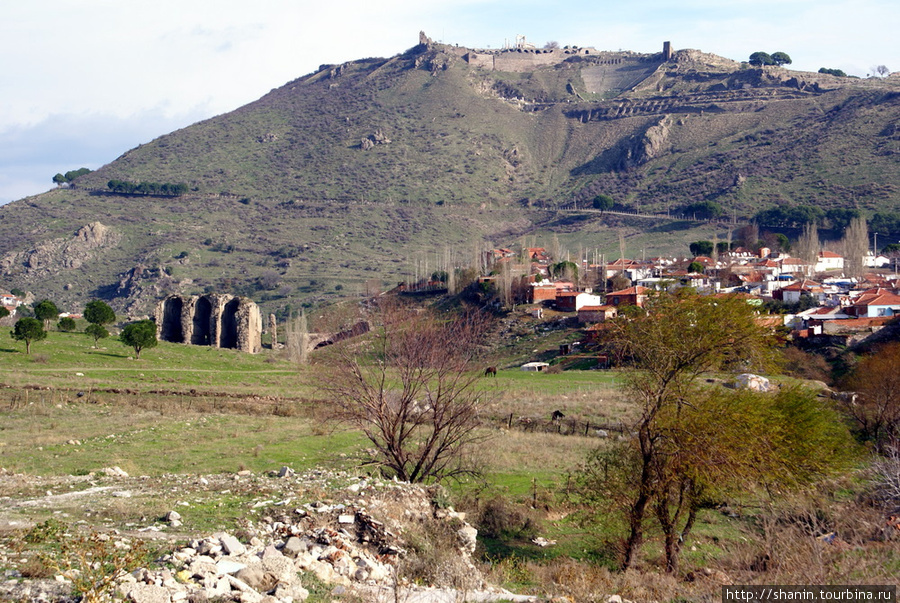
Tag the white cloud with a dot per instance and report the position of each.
(146, 64)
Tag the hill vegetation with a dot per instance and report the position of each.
(365, 172)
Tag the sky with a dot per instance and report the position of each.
(84, 81)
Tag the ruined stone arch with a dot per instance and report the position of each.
(217, 320)
(168, 321)
(203, 332)
(229, 322)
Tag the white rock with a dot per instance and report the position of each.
(229, 566)
(231, 545)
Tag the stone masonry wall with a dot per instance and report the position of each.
(217, 320)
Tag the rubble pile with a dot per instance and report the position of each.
(357, 547)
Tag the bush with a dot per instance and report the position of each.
(66, 324)
(499, 518)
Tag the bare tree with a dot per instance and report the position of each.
(855, 245)
(410, 388)
(881, 70)
(807, 248)
(297, 339)
(875, 410)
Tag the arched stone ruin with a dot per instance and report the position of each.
(217, 320)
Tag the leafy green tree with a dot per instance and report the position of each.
(891, 248)
(98, 312)
(59, 179)
(702, 454)
(139, 335)
(722, 247)
(66, 324)
(3, 312)
(840, 217)
(834, 72)
(759, 59)
(695, 267)
(46, 310)
(701, 248)
(705, 210)
(17, 292)
(96, 331)
(781, 58)
(565, 270)
(782, 242)
(790, 217)
(28, 330)
(603, 203)
(668, 345)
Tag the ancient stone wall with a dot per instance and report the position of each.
(217, 320)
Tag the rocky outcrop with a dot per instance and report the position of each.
(374, 139)
(56, 255)
(640, 150)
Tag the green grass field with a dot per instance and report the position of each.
(183, 412)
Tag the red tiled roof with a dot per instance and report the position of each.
(637, 290)
(877, 297)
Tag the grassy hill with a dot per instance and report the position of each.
(380, 169)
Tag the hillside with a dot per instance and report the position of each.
(379, 169)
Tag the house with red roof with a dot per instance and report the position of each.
(791, 294)
(592, 314)
(632, 296)
(875, 302)
(572, 301)
(829, 261)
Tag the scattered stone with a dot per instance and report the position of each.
(148, 593)
(228, 566)
(113, 472)
(468, 536)
(231, 545)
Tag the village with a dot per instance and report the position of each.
(817, 302)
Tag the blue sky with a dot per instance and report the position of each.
(83, 81)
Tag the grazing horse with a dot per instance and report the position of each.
(491, 370)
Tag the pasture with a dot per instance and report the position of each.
(182, 415)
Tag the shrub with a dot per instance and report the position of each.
(66, 324)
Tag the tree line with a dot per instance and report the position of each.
(29, 329)
(166, 189)
(835, 218)
(70, 175)
(760, 59)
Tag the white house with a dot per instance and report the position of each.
(829, 261)
(8, 299)
(875, 261)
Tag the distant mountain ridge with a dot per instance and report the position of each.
(352, 172)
